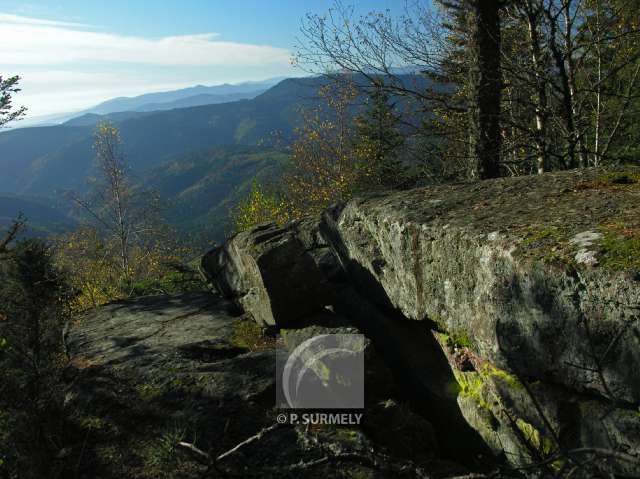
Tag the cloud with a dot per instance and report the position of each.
(44, 42)
(18, 19)
(70, 66)
(53, 91)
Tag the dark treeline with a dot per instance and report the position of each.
(461, 89)
(531, 85)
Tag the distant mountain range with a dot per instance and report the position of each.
(200, 158)
(168, 100)
(44, 160)
(186, 97)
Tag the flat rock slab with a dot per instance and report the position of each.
(175, 339)
(147, 331)
(164, 368)
(150, 372)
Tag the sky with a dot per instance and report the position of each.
(73, 54)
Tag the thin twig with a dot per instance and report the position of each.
(201, 456)
(252, 439)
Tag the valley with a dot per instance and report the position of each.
(200, 159)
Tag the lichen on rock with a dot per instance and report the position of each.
(533, 281)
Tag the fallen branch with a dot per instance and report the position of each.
(621, 456)
(369, 459)
(252, 439)
(382, 463)
(198, 454)
(307, 465)
(471, 476)
(206, 459)
(597, 452)
(372, 459)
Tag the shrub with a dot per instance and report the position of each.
(34, 298)
(259, 207)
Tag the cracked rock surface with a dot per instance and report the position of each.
(532, 286)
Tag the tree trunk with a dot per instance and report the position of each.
(571, 79)
(533, 14)
(485, 89)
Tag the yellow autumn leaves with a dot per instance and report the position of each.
(96, 275)
(329, 163)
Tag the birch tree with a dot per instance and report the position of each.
(126, 215)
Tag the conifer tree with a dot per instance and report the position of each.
(475, 36)
(34, 296)
(378, 140)
(8, 87)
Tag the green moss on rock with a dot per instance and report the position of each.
(544, 235)
(538, 441)
(547, 243)
(248, 334)
(625, 178)
(491, 371)
(620, 247)
(452, 339)
(471, 385)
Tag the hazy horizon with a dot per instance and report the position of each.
(74, 55)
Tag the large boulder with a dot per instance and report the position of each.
(537, 278)
(494, 263)
(532, 285)
(278, 275)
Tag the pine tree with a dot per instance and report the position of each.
(33, 310)
(475, 39)
(8, 87)
(378, 140)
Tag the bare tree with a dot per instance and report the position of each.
(561, 93)
(380, 46)
(122, 212)
(11, 234)
(611, 82)
(376, 52)
(593, 76)
(531, 11)
(571, 82)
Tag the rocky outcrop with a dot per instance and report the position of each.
(148, 373)
(531, 286)
(464, 258)
(497, 267)
(278, 275)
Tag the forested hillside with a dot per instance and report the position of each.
(44, 217)
(161, 148)
(47, 159)
(203, 188)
